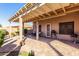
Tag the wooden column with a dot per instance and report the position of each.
(37, 30)
(21, 28)
(10, 30)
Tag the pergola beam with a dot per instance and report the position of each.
(55, 12)
(43, 10)
(52, 9)
(36, 13)
(63, 8)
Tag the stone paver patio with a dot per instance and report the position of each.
(42, 47)
(50, 47)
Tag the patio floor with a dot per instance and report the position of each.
(42, 47)
(9, 44)
(50, 47)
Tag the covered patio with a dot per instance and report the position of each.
(35, 12)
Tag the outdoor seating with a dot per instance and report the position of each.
(33, 33)
(53, 34)
(75, 38)
(40, 34)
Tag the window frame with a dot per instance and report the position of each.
(66, 23)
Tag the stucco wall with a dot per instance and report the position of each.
(55, 22)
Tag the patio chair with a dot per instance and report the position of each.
(74, 37)
(54, 34)
(33, 33)
(41, 34)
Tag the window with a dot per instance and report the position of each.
(66, 28)
(39, 28)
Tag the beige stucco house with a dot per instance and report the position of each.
(62, 25)
(61, 17)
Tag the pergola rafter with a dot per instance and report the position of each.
(46, 10)
(51, 9)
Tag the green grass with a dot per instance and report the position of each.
(31, 53)
(23, 54)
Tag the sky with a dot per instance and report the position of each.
(7, 10)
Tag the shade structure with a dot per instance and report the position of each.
(38, 11)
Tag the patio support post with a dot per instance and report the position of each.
(21, 28)
(10, 30)
(37, 30)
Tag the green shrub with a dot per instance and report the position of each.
(6, 32)
(13, 34)
(17, 32)
(2, 35)
(25, 31)
(1, 42)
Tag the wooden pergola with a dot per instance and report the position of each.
(38, 11)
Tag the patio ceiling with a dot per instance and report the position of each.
(46, 11)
